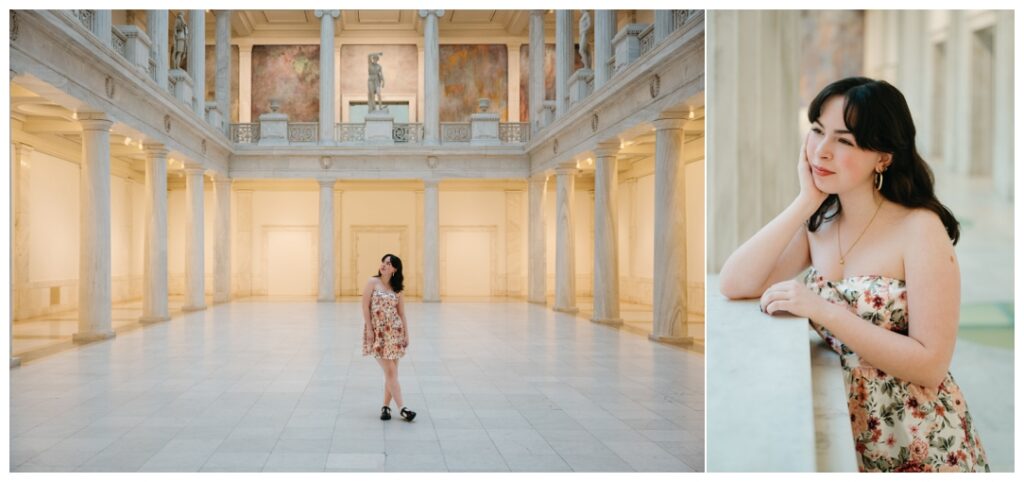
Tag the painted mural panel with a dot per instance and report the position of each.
(468, 73)
(549, 76)
(211, 79)
(833, 49)
(290, 73)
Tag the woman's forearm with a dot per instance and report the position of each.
(748, 269)
(898, 355)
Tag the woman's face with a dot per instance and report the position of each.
(386, 268)
(837, 164)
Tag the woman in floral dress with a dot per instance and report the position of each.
(386, 332)
(883, 287)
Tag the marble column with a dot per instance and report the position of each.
(1002, 152)
(243, 242)
(221, 239)
(431, 79)
(103, 23)
(245, 84)
(154, 269)
(606, 235)
(564, 60)
(325, 248)
(157, 29)
(513, 49)
(536, 85)
(662, 24)
(21, 177)
(195, 271)
(94, 263)
(537, 290)
(222, 94)
(604, 31)
(327, 18)
(197, 60)
(670, 306)
(956, 149)
(431, 243)
(565, 240)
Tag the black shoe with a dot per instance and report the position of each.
(407, 414)
(385, 413)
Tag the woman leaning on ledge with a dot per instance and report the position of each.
(883, 288)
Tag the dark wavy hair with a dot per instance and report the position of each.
(877, 115)
(398, 278)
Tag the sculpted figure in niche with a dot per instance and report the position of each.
(375, 83)
(180, 53)
(584, 29)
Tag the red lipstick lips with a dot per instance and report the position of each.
(821, 172)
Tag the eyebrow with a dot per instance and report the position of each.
(837, 131)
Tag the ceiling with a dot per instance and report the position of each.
(303, 23)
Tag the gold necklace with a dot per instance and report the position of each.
(839, 245)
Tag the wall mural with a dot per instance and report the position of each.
(469, 72)
(290, 73)
(549, 76)
(833, 49)
(211, 79)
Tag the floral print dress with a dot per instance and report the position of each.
(897, 426)
(389, 338)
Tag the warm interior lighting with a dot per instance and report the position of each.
(127, 141)
(590, 161)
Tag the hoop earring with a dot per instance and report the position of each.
(878, 181)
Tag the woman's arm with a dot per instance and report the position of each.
(401, 314)
(780, 249)
(367, 294)
(933, 308)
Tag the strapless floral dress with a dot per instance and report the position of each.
(389, 339)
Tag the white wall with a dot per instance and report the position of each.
(364, 213)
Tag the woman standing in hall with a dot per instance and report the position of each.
(883, 288)
(386, 332)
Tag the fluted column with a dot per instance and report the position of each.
(669, 233)
(662, 24)
(327, 18)
(245, 84)
(537, 290)
(431, 79)
(21, 181)
(606, 235)
(197, 60)
(154, 270)
(221, 239)
(1002, 152)
(536, 84)
(222, 94)
(431, 243)
(325, 248)
(604, 31)
(565, 240)
(94, 265)
(564, 60)
(157, 28)
(195, 272)
(103, 22)
(956, 150)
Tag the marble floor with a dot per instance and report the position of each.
(259, 385)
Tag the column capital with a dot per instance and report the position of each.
(327, 13)
(607, 149)
(568, 168)
(245, 48)
(22, 149)
(436, 13)
(327, 183)
(93, 121)
(540, 177)
(193, 168)
(538, 13)
(155, 149)
(431, 183)
(219, 178)
(665, 123)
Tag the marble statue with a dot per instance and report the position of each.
(584, 29)
(374, 84)
(179, 55)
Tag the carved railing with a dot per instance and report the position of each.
(514, 132)
(119, 42)
(455, 132)
(303, 132)
(170, 84)
(646, 40)
(245, 133)
(350, 132)
(679, 17)
(87, 17)
(410, 133)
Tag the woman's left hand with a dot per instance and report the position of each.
(792, 297)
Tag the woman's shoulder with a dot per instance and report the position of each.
(920, 222)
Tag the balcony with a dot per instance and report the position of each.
(355, 134)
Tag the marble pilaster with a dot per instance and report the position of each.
(431, 77)
(156, 21)
(431, 243)
(195, 298)
(662, 24)
(565, 240)
(327, 18)
(222, 94)
(537, 289)
(606, 235)
(243, 242)
(94, 262)
(536, 85)
(564, 60)
(154, 269)
(604, 30)
(957, 131)
(21, 176)
(221, 239)
(669, 233)
(244, 83)
(197, 60)
(325, 247)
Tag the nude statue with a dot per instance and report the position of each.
(179, 55)
(584, 29)
(375, 84)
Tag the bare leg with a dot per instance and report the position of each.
(391, 380)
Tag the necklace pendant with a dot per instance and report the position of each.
(841, 261)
